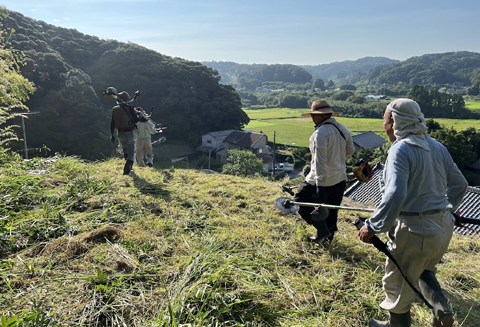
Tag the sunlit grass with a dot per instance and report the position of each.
(174, 247)
(473, 105)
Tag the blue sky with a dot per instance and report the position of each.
(267, 32)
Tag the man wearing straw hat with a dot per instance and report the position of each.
(330, 145)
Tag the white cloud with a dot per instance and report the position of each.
(56, 20)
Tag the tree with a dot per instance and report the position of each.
(319, 84)
(341, 95)
(474, 89)
(330, 84)
(432, 125)
(457, 144)
(242, 163)
(14, 89)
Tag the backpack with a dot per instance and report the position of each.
(123, 118)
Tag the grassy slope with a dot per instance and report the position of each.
(84, 245)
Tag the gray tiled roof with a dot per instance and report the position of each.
(243, 139)
(368, 140)
(475, 165)
(369, 193)
(206, 148)
(221, 134)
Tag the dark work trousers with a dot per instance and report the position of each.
(333, 195)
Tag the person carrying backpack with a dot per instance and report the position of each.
(124, 119)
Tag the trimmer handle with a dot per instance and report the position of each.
(359, 222)
(288, 190)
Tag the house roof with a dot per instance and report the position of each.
(220, 134)
(369, 193)
(207, 149)
(266, 158)
(243, 139)
(475, 165)
(368, 140)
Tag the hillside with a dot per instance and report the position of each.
(429, 69)
(70, 71)
(348, 70)
(83, 245)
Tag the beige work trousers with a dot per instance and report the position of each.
(417, 243)
(144, 149)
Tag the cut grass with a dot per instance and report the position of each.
(183, 248)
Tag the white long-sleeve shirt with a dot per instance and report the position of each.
(145, 129)
(329, 153)
(417, 180)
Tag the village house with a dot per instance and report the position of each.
(219, 143)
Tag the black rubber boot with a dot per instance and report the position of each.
(396, 320)
(431, 290)
(322, 231)
(128, 167)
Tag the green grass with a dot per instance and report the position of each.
(83, 245)
(473, 105)
(290, 128)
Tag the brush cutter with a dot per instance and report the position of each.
(287, 205)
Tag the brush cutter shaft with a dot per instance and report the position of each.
(329, 206)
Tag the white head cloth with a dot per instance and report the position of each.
(409, 123)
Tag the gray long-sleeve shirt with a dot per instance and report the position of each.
(417, 180)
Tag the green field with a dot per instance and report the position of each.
(473, 105)
(290, 128)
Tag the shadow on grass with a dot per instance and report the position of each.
(154, 189)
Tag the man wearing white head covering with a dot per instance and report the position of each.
(421, 188)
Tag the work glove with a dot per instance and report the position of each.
(112, 138)
(321, 192)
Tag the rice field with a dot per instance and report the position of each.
(473, 105)
(290, 129)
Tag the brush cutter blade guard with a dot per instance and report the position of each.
(159, 141)
(286, 205)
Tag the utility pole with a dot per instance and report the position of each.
(25, 132)
(274, 134)
(209, 154)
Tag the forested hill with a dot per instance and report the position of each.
(71, 70)
(347, 70)
(429, 69)
(239, 74)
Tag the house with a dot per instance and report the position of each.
(248, 141)
(219, 143)
(374, 97)
(369, 193)
(212, 143)
(367, 140)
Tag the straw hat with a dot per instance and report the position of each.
(320, 107)
(123, 97)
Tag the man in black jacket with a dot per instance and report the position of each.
(124, 119)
